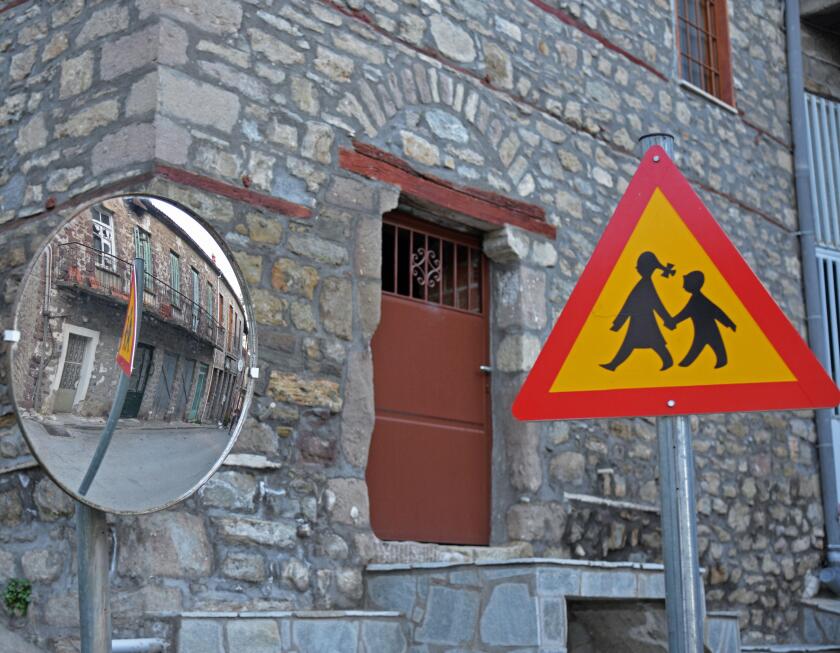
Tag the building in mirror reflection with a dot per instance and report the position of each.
(193, 343)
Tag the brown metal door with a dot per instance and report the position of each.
(428, 471)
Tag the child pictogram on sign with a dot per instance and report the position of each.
(641, 308)
(705, 315)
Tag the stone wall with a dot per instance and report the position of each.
(239, 112)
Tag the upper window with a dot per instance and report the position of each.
(175, 278)
(143, 249)
(703, 39)
(103, 239)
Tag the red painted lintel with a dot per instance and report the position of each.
(232, 192)
(482, 205)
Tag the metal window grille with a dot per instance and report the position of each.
(431, 268)
(73, 358)
(699, 45)
(823, 120)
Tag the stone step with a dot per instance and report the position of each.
(294, 631)
(723, 634)
(820, 620)
(790, 648)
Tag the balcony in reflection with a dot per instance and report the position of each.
(193, 333)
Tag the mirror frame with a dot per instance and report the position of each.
(248, 309)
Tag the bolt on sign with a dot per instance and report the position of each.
(668, 319)
(128, 339)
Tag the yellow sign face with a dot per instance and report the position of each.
(128, 340)
(666, 317)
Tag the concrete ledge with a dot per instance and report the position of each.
(559, 562)
(790, 648)
(293, 614)
(381, 552)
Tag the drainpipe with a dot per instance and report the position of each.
(830, 575)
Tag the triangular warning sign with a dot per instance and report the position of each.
(668, 319)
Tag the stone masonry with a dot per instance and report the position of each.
(239, 111)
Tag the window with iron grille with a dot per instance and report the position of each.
(428, 267)
(703, 41)
(103, 240)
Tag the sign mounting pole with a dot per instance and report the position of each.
(683, 588)
(91, 526)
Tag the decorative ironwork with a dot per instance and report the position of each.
(432, 267)
(425, 267)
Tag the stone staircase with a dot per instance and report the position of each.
(525, 605)
(528, 605)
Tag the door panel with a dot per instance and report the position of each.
(184, 384)
(199, 392)
(432, 481)
(71, 373)
(432, 362)
(428, 471)
(166, 385)
(139, 378)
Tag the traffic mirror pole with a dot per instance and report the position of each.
(683, 587)
(94, 592)
(91, 526)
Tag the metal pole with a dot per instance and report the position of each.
(683, 587)
(94, 592)
(119, 398)
(91, 528)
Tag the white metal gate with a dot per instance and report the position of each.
(823, 119)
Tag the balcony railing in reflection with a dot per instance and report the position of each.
(105, 274)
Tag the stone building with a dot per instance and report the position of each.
(191, 338)
(411, 190)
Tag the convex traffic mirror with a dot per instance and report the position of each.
(132, 301)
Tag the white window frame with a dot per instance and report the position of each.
(105, 233)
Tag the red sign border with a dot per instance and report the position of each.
(812, 389)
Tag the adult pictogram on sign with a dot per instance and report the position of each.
(665, 284)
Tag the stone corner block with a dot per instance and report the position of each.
(506, 245)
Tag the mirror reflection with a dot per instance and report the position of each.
(188, 382)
